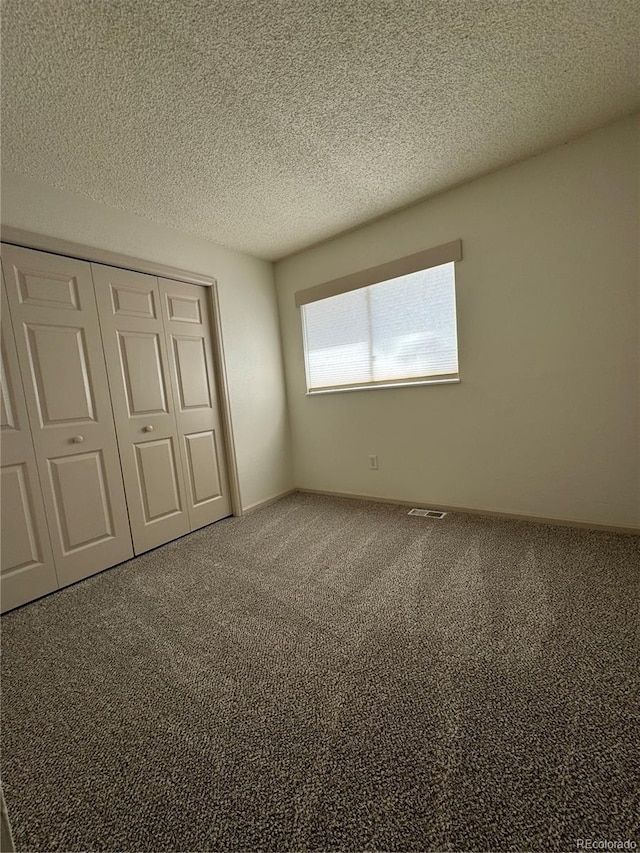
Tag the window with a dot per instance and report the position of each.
(374, 330)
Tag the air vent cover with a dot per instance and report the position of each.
(428, 513)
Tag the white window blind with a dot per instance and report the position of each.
(399, 331)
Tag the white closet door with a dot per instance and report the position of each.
(135, 349)
(26, 560)
(187, 323)
(62, 364)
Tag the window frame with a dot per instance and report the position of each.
(418, 262)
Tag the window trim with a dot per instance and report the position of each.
(445, 379)
(435, 257)
(427, 259)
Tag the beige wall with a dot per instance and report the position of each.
(247, 306)
(545, 419)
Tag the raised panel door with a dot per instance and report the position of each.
(59, 349)
(136, 353)
(27, 569)
(187, 322)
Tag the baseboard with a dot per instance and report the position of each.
(271, 500)
(538, 519)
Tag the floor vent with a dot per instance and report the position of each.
(428, 513)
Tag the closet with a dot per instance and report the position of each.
(111, 428)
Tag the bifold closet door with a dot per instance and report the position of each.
(55, 321)
(27, 570)
(187, 323)
(136, 353)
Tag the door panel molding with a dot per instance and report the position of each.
(184, 310)
(80, 491)
(23, 549)
(143, 373)
(43, 370)
(202, 456)
(132, 303)
(192, 372)
(158, 476)
(7, 395)
(35, 289)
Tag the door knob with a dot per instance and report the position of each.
(77, 439)
(147, 428)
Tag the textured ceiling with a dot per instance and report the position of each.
(268, 125)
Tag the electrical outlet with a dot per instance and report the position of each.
(373, 463)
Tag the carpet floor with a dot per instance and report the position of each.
(327, 674)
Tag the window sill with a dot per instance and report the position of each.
(381, 386)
